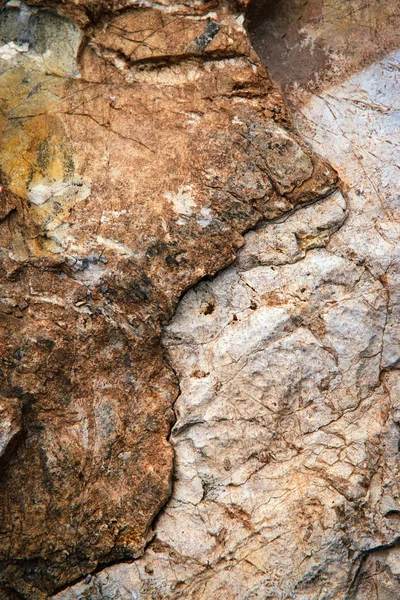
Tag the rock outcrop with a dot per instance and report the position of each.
(287, 431)
(139, 142)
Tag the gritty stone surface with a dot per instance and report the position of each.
(287, 430)
(139, 142)
(308, 47)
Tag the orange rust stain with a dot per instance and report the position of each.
(34, 149)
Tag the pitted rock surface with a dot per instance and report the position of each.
(139, 142)
(287, 433)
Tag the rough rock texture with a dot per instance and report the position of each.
(139, 141)
(288, 422)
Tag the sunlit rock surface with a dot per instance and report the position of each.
(287, 432)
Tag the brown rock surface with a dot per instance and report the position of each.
(135, 152)
(286, 477)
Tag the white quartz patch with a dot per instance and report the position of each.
(41, 193)
(183, 202)
(10, 50)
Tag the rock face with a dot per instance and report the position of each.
(138, 143)
(287, 431)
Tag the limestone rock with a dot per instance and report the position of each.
(286, 479)
(139, 142)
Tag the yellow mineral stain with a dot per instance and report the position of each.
(36, 153)
(13, 89)
(34, 148)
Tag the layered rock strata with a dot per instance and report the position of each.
(138, 143)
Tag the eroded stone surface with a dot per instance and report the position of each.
(287, 432)
(286, 436)
(135, 152)
(310, 46)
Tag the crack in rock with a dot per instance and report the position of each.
(131, 165)
(287, 424)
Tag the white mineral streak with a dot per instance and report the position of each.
(10, 50)
(182, 201)
(41, 193)
(288, 420)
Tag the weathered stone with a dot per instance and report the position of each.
(287, 432)
(10, 424)
(138, 144)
